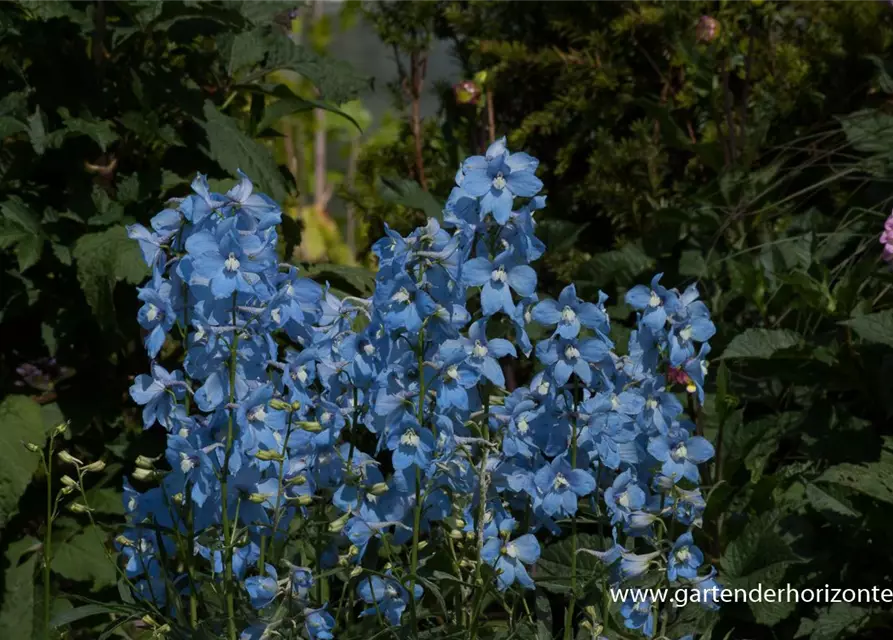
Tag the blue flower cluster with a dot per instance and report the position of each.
(397, 417)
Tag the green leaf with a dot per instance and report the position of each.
(409, 193)
(102, 260)
(79, 613)
(21, 214)
(760, 343)
(360, 279)
(83, 559)
(28, 252)
(290, 105)
(759, 556)
(20, 421)
(553, 569)
(869, 130)
(10, 126)
(37, 132)
(234, 150)
(874, 327)
(337, 81)
(823, 501)
(99, 130)
(873, 479)
(619, 265)
(692, 263)
(17, 610)
(833, 621)
(105, 500)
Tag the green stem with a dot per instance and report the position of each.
(224, 486)
(48, 542)
(569, 617)
(479, 525)
(417, 515)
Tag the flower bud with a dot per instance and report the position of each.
(269, 454)
(144, 462)
(298, 480)
(68, 481)
(77, 507)
(60, 429)
(356, 571)
(66, 491)
(455, 534)
(124, 541)
(379, 488)
(30, 446)
(99, 465)
(423, 544)
(295, 406)
(279, 405)
(304, 500)
(259, 498)
(144, 475)
(469, 535)
(354, 550)
(312, 427)
(335, 526)
(67, 458)
(178, 499)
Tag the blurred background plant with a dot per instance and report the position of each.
(742, 145)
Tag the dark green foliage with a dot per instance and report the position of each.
(755, 162)
(107, 109)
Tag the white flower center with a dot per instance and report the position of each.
(511, 550)
(479, 350)
(232, 263)
(523, 426)
(369, 349)
(543, 388)
(651, 403)
(183, 433)
(685, 334)
(152, 312)
(623, 499)
(560, 481)
(392, 592)
(615, 402)
(276, 315)
(499, 275)
(680, 452)
(289, 290)
(683, 555)
(401, 296)
(499, 181)
(528, 317)
(301, 375)
(453, 372)
(410, 438)
(200, 334)
(571, 353)
(186, 463)
(131, 504)
(654, 300)
(258, 414)
(325, 417)
(568, 315)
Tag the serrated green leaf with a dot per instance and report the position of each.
(620, 265)
(409, 193)
(873, 479)
(874, 327)
(10, 126)
(337, 81)
(99, 130)
(869, 130)
(102, 260)
(760, 343)
(16, 211)
(836, 619)
(823, 501)
(291, 105)
(232, 149)
(83, 558)
(20, 421)
(28, 252)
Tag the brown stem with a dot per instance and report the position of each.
(728, 107)
(349, 180)
(491, 115)
(418, 66)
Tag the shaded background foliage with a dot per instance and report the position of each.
(745, 146)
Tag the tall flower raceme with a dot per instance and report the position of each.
(322, 445)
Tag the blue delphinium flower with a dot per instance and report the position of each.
(684, 558)
(262, 590)
(387, 596)
(508, 557)
(561, 487)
